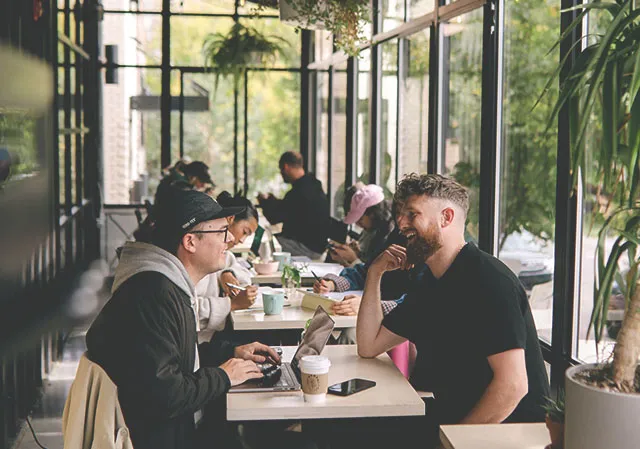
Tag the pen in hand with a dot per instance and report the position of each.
(236, 287)
(316, 276)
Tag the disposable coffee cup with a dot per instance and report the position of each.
(315, 377)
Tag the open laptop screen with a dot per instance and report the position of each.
(315, 338)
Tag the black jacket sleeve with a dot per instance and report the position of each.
(163, 384)
(274, 210)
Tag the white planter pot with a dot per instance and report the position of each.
(289, 16)
(598, 419)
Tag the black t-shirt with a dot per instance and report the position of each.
(476, 309)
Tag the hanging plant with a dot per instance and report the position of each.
(345, 19)
(242, 47)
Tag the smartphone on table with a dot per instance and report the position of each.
(351, 386)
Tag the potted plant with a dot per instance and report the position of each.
(290, 281)
(554, 419)
(242, 47)
(345, 19)
(602, 90)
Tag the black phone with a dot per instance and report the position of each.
(351, 386)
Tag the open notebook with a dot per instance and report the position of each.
(286, 377)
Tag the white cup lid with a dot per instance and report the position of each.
(314, 364)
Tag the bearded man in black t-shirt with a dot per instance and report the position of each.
(478, 349)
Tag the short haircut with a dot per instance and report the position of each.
(292, 158)
(433, 186)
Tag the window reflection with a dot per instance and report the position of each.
(528, 181)
(462, 97)
(414, 116)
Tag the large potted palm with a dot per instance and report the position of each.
(602, 92)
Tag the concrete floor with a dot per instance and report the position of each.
(47, 417)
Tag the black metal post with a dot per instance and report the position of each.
(66, 102)
(330, 124)
(246, 132)
(306, 38)
(375, 98)
(435, 119)
(165, 98)
(93, 169)
(489, 146)
(235, 135)
(181, 114)
(352, 113)
(80, 221)
(566, 218)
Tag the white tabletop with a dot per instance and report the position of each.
(495, 436)
(307, 278)
(293, 317)
(392, 396)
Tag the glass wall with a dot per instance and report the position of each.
(528, 172)
(339, 140)
(389, 117)
(414, 113)
(462, 103)
(363, 123)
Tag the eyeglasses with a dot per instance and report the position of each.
(217, 231)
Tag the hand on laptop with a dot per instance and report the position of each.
(324, 286)
(240, 371)
(349, 305)
(258, 353)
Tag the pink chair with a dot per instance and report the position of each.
(400, 356)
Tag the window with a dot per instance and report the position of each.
(528, 172)
(339, 140)
(273, 128)
(414, 115)
(363, 127)
(389, 117)
(417, 8)
(322, 130)
(392, 14)
(462, 56)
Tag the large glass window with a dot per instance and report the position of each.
(392, 14)
(417, 8)
(414, 115)
(363, 123)
(339, 140)
(462, 99)
(528, 180)
(273, 128)
(322, 129)
(389, 117)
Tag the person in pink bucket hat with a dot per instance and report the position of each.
(367, 208)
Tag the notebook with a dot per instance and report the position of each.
(286, 377)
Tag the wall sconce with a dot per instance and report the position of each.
(111, 66)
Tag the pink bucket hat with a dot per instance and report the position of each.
(368, 196)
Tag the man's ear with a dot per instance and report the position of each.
(188, 242)
(447, 216)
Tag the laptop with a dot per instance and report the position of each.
(286, 377)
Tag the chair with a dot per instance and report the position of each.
(92, 416)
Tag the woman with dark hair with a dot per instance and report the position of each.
(366, 207)
(215, 298)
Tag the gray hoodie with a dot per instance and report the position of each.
(138, 257)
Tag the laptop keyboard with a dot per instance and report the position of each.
(279, 376)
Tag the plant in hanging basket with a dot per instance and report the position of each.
(242, 47)
(345, 19)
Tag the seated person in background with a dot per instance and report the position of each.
(145, 337)
(366, 207)
(477, 345)
(303, 212)
(215, 298)
(394, 284)
(194, 174)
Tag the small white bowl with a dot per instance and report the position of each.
(266, 267)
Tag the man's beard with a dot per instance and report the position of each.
(420, 248)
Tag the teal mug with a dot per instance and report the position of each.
(273, 303)
(283, 257)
